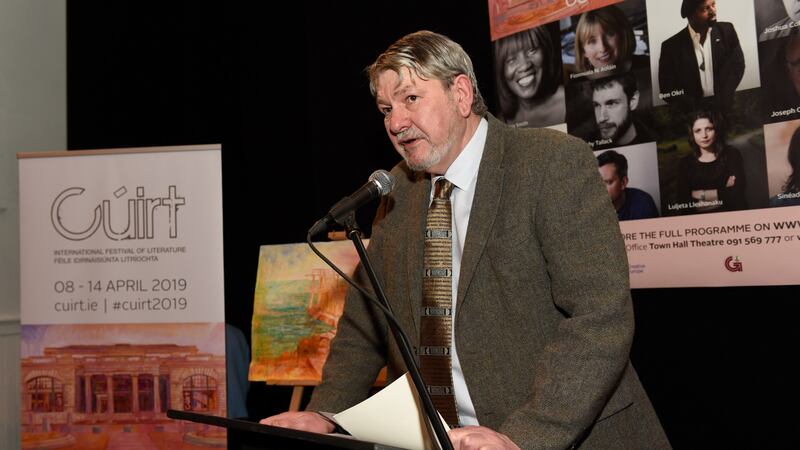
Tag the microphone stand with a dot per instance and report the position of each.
(354, 234)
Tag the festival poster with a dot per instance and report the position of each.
(122, 300)
(699, 148)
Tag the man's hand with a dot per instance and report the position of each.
(482, 438)
(302, 420)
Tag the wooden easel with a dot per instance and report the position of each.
(298, 387)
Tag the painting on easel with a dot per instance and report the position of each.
(298, 302)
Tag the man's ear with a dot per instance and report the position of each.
(634, 101)
(624, 182)
(462, 94)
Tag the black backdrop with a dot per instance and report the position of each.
(300, 130)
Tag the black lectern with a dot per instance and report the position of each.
(243, 434)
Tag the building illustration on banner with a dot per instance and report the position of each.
(92, 395)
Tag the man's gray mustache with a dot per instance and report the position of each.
(407, 135)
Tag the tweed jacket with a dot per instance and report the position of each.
(678, 71)
(544, 320)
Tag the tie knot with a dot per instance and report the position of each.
(443, 188)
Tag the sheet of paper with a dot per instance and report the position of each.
(393, 417)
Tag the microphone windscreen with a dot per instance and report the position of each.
(383, 180)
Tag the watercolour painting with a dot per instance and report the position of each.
(298, 302)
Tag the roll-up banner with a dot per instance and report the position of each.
(122, 301)
(692, 108)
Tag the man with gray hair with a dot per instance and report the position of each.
(534, 311)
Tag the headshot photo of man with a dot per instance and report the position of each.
(780, 72)
(631, 203)
(703, 59)
(791, 62)
(789, 12)
(614, 100)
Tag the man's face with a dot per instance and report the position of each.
(705, 14)
(793, 62)
(614, 184)
(612, 110)
(792, 8)
(422, 120)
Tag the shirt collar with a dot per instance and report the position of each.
(695, 35)
(463, 171)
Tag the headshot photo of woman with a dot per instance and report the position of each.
(790, 195)
(711, 178)
(604, 41)
(529, 77)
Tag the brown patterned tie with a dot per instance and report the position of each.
(437, 298)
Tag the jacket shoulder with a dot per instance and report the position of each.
(725, 27)
(675, 40)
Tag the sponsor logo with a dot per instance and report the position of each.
(733, 264)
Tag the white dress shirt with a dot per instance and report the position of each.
(463, 173)
(703, 54)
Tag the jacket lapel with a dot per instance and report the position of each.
(485, 205)
(717, 50)
(418, 212)
(691, 68)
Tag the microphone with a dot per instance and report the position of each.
(380, 184)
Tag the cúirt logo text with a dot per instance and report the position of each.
(131, 219)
